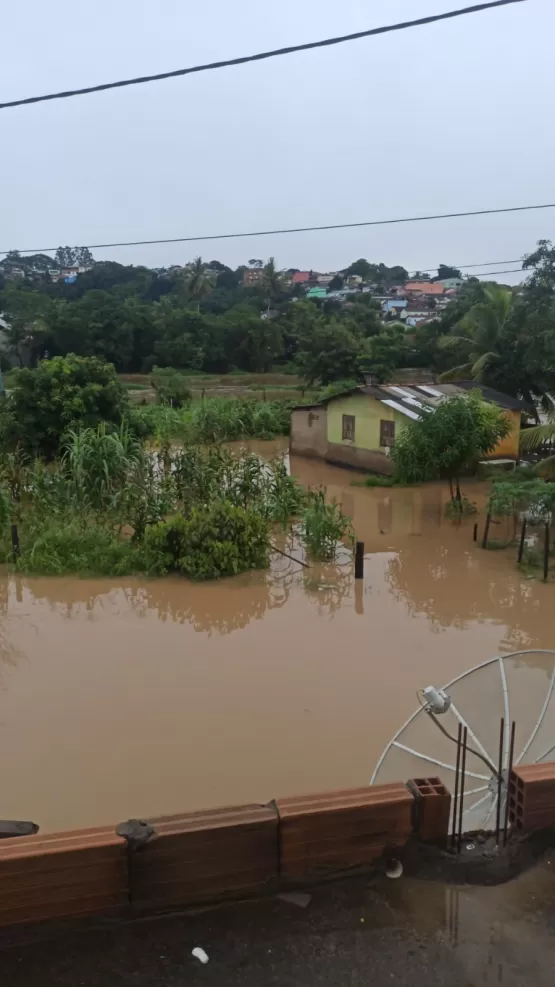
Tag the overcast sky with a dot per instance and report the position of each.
(449, 117)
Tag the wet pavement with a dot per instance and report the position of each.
(358, 932)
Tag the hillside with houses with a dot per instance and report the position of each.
(203, 317)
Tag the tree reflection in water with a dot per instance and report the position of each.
(454, 586)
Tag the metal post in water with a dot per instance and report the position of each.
(507, 789)
(500, 780)
(461, 792)
(476, 531)
(522, 540)
(486, 530)
(359, 598)
(359, 560)
(456, 792)
(15, 542)
(546, 551)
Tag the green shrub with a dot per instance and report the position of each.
(211, 542)
(379, 481)
(214, 420)
(324, 526)
(63, 393)
(457, 508)
(92, 549)
(171, 387)
(336, 388)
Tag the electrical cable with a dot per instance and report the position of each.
(464, 267)
(210, 66)
(427, 710)
(489, 274)
(298, 229)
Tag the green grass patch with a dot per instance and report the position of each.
(377, 481)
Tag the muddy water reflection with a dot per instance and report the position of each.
(151, 697)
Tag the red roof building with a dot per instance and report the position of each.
(424, 287)
(300, 277)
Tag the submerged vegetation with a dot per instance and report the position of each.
(112, 505)
(213, 420)
(448, 444)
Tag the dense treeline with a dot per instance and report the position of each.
(203, 318)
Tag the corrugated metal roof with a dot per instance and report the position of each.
(490, 394)
(398, 406)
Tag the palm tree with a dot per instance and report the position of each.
(197, 283)
(272, 281)
(480, 335)
(540, 435)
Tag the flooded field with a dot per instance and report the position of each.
(142, 698)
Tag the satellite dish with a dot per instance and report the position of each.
(519, 687)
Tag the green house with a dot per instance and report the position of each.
(359, 428)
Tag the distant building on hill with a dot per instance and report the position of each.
(428, 288)
(300, 277)
(451, 284)
(317, 292)
(252, 276)
(394, 305)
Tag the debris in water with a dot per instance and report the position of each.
(299, 898)
(199, 954)
(394, 869)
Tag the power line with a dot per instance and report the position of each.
(515, 270)
(420, 22)
(464, 267)
(298, 229)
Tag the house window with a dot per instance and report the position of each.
(387, 433)
(349, 428)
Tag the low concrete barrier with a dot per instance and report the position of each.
(206, 856)
(532, 797)
(432, 809)
(341, 831)
(64, 875)
(237, 851)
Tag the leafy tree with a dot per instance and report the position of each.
(333, 351)
(98, 324)
(360, 268)
(254, 262)
(65, 256)
(197, 283)
(252, 342)
(448, 441)
(13, 259)
(336, 283)
(540, 287)
(83, 256)
(272, 282)
(367, 313)
(37, 262)
(26, 313)
(480, 335)
(387, 350)
(171, 387)
(178, 332)
(73, 256)
(228, 280)
(61, 393)
(444, 271)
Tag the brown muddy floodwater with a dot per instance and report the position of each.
(147, 697)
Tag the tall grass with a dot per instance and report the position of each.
(214, 420)
(110, 503)
(324, 527)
